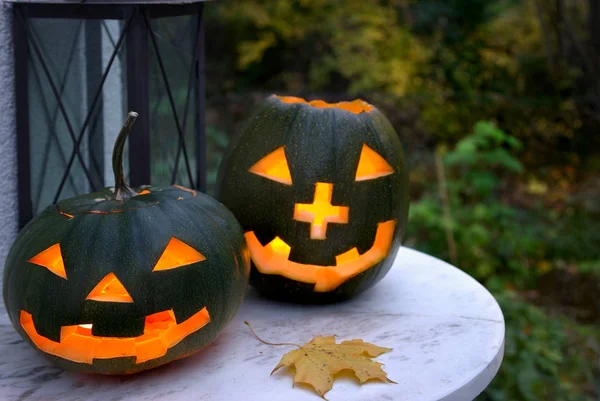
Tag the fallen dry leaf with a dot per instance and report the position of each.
(317, 361)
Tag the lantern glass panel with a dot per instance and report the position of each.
(66, 62)
(175, 39)
(77, 98)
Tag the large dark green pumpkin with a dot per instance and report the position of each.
(321, 191)
(142, 276)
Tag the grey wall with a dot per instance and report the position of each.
(8, 144)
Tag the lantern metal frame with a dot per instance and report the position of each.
(139, 39)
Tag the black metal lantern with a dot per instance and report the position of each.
(79, 67)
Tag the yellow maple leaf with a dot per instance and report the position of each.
(317, 361)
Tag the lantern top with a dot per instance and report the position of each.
(114, 2)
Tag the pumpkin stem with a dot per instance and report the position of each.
(122, 190)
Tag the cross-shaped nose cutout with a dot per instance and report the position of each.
(321, 211)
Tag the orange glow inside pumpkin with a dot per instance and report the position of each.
(274, 166)
(110, 289)
(273, 259)
(78, 344)
(51, 258)
(177, 254)
(356, 106)
(321, 211)
(371, 165)
(279, 247)
(348, 256)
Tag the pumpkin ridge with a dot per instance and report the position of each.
(215, 228)
(218, 232)
(115, 211)
(122, 210)
(335, 142)
(289, 129)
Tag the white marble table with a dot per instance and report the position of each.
(446, 330)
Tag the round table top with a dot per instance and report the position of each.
(446, 331)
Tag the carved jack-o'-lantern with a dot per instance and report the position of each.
(124, 280)
(322, 193)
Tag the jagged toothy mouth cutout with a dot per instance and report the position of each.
(273, 258)
(78, 344)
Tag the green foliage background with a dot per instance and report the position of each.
(497, 104)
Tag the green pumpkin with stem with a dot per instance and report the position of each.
(125, 279)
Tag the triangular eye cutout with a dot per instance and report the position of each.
(371, 165)
(110, 289)
(51, 259)
(274, 166)
(177, 254)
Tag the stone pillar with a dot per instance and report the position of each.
(9, 210)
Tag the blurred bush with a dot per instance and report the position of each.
(546, 358)
(509, 248)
